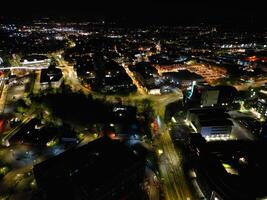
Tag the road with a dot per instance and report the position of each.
(5, 139)
(256, 83)
(4, 91)
(152, 186)
(239, 131)
(174, 184)
(71, 79)
(37, 84)
(70, 76)
(3, 97)
(136, 82)
(19, 183)
(170, 164)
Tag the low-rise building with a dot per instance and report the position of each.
(38, 61)
(201, 95)
(51, 77)
(184, 79)
(102, 169)
(211, 123)
(262, 107)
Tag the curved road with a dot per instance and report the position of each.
(174, 183)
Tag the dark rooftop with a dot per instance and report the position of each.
(92, 166)
(213, 177)
(208, 116)
(216, 122)
(33, 57)
(183, 75)
(208, 110)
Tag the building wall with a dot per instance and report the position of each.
(262, 108)
(209, 97)
(209, 132)
(36, 62)
(215, 130)
(154, 92)
(54, 84)
(57, 84)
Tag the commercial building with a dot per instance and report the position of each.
(29, 63)
(51, 77)
(184, 79)
(149, 78)
(102, 169)
(227, 95)
(211, 123)
(102, 75)
(228, 169)
(38, 61)
(2, 124)
(201, 95)
(209, 97)
(262, 107)
(258, 101)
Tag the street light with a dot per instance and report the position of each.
(160, 152)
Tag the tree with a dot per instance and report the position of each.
(173, 108)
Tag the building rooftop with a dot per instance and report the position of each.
(182, 75)
(90, 167)
(50, 75)
(211, 174)
(212, 115)
(208, 110)
(33, 57)
(263, 100)
(216, 122)
(145, 69)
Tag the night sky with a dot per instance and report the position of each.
(143, 12)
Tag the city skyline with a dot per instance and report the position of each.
(146, 12)
(139, 101)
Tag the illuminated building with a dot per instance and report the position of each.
(262, 107)
(211, 123)
(35, 60)
(202, 95)
(51, 77)
(183, 78)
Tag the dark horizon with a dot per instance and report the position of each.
(147, 12)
